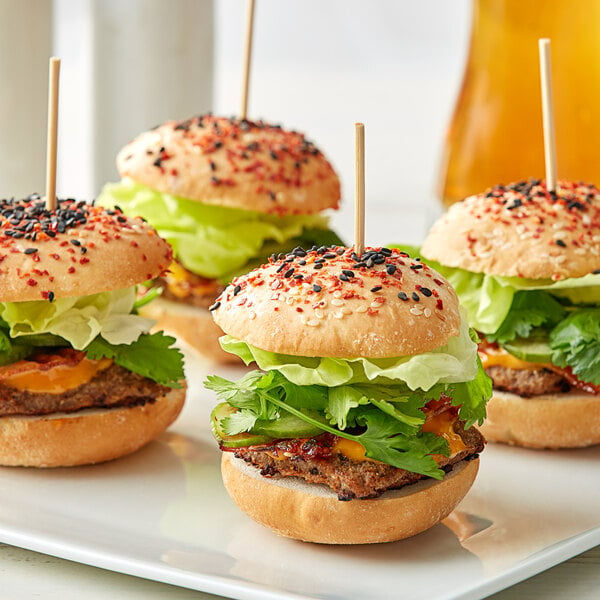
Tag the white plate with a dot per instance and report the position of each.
(163, 514)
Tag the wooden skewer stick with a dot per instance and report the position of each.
(247, 58)
(548, 113)
(52, 133)
(359, 213)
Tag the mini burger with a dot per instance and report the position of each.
(81, 379)
(357, 427)
(525, 262)
(226, 193)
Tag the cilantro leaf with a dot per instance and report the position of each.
(529, 309)
(575, 343)
(151, 356)
(384, 441)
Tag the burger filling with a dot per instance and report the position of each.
(66, 354)
(67, 381)
(342, 465)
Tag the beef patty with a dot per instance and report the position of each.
(527, 383)
(347, 477)
(112, 387)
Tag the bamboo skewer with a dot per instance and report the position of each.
(247, 58)
(52, 133)
(359, 211)
(548, 113)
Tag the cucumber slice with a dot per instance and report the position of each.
(287, 426)
(239, 440)
(530, 349)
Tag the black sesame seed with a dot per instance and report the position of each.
(379, 259)
(391, 269)
(281, 267)
(76, 242)
(50, 296)
(416, 267)
(376, 288)
(302, 262)
(317, 288)
(425, 291)
(344, 277)
(330, 255)
(402, 296)
(299, 276)
(214, 306)
(386, 251)
(237, 289)
(415, 296)
(348, 273)
(289, 273)
(31, 250)
(560, 243)
(317, 266)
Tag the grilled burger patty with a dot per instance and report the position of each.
(527, 383)
(316, 462)
(111, 387)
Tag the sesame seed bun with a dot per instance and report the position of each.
(567, 420)
(313, 513)
(229, 162)
(78, 250)
(392, 305)
(521, 230)
(87, 436)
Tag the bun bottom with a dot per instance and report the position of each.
(313, 513)
(570, 420)
(192, 325)
(85, 437)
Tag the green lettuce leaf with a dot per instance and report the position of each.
(78, 320)
(151, 356)
(575, 343)
(212, 241)
(451, 363)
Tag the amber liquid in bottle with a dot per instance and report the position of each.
(495, 135)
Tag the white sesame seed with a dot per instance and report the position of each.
(338, 314)
(319, 313)
(346, 311)
(252, 315)
(337, 302)
(337, 294)
(375, 304)
(361, 309)
(427, 312)
(416, 311)
(312, 322)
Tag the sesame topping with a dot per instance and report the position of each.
(235, 152)
(334, 282)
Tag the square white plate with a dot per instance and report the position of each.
(163, 514)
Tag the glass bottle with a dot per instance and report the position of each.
(495, 135)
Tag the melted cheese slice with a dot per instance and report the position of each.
(492, 357)
(183, 283)
(443, 425)
(58, 379)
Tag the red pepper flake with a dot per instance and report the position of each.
(71, 270)
(32, 282)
